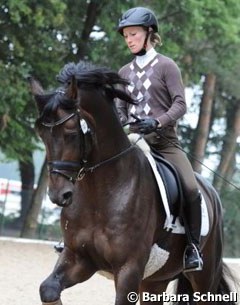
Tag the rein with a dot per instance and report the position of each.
(80, 169)
(84, 170)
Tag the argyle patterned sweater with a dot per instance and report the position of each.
(158, 89)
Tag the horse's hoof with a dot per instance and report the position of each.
(58, 302)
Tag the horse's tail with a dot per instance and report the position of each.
(227, 284)
(222, 288)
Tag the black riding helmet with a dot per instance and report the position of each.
(138, 16)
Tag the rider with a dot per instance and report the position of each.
(156, 83)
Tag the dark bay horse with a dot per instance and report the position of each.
(112, 212)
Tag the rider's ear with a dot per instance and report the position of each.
(72, 90)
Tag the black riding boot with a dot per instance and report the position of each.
(192, 260)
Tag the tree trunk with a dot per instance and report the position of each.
(93, 12)
(27, 178)
(3, 121)
(203, 126)
(229, 146)
(230, 172)
(31, 222)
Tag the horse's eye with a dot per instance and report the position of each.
(71, 132)
(70, 135)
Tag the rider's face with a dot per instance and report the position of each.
(134, 37)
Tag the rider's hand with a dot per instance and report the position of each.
(144, 126)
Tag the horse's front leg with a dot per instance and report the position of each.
(152, 289)
(127, 283)
(69, 270)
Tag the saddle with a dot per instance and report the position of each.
(170, 188)
(171, 183)
(167, 179)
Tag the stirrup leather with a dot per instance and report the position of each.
(198, 263)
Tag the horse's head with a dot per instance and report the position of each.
(73, 123)
(67, 132)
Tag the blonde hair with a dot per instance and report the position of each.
(155, 39)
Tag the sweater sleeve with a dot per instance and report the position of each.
(122, 110)
(175, 89)
(122, 106)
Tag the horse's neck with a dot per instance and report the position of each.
(111, 140)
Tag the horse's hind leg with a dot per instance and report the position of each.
(68, 271)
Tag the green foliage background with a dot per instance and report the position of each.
(39, 37)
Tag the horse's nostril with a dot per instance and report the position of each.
(67, 199)
(67, 195)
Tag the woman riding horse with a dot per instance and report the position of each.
(155, 80)
(112, 214)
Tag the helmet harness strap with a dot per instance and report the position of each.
(143, 51)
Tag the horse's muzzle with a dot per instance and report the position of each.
(61, 199)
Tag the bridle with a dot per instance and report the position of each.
(78, 168)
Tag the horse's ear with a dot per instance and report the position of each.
(72, 89)
(35, 86)
(38, 93)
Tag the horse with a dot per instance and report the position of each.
(112, 212)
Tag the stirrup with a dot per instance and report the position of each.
(197, 264)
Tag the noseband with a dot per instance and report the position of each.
(78, 168)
